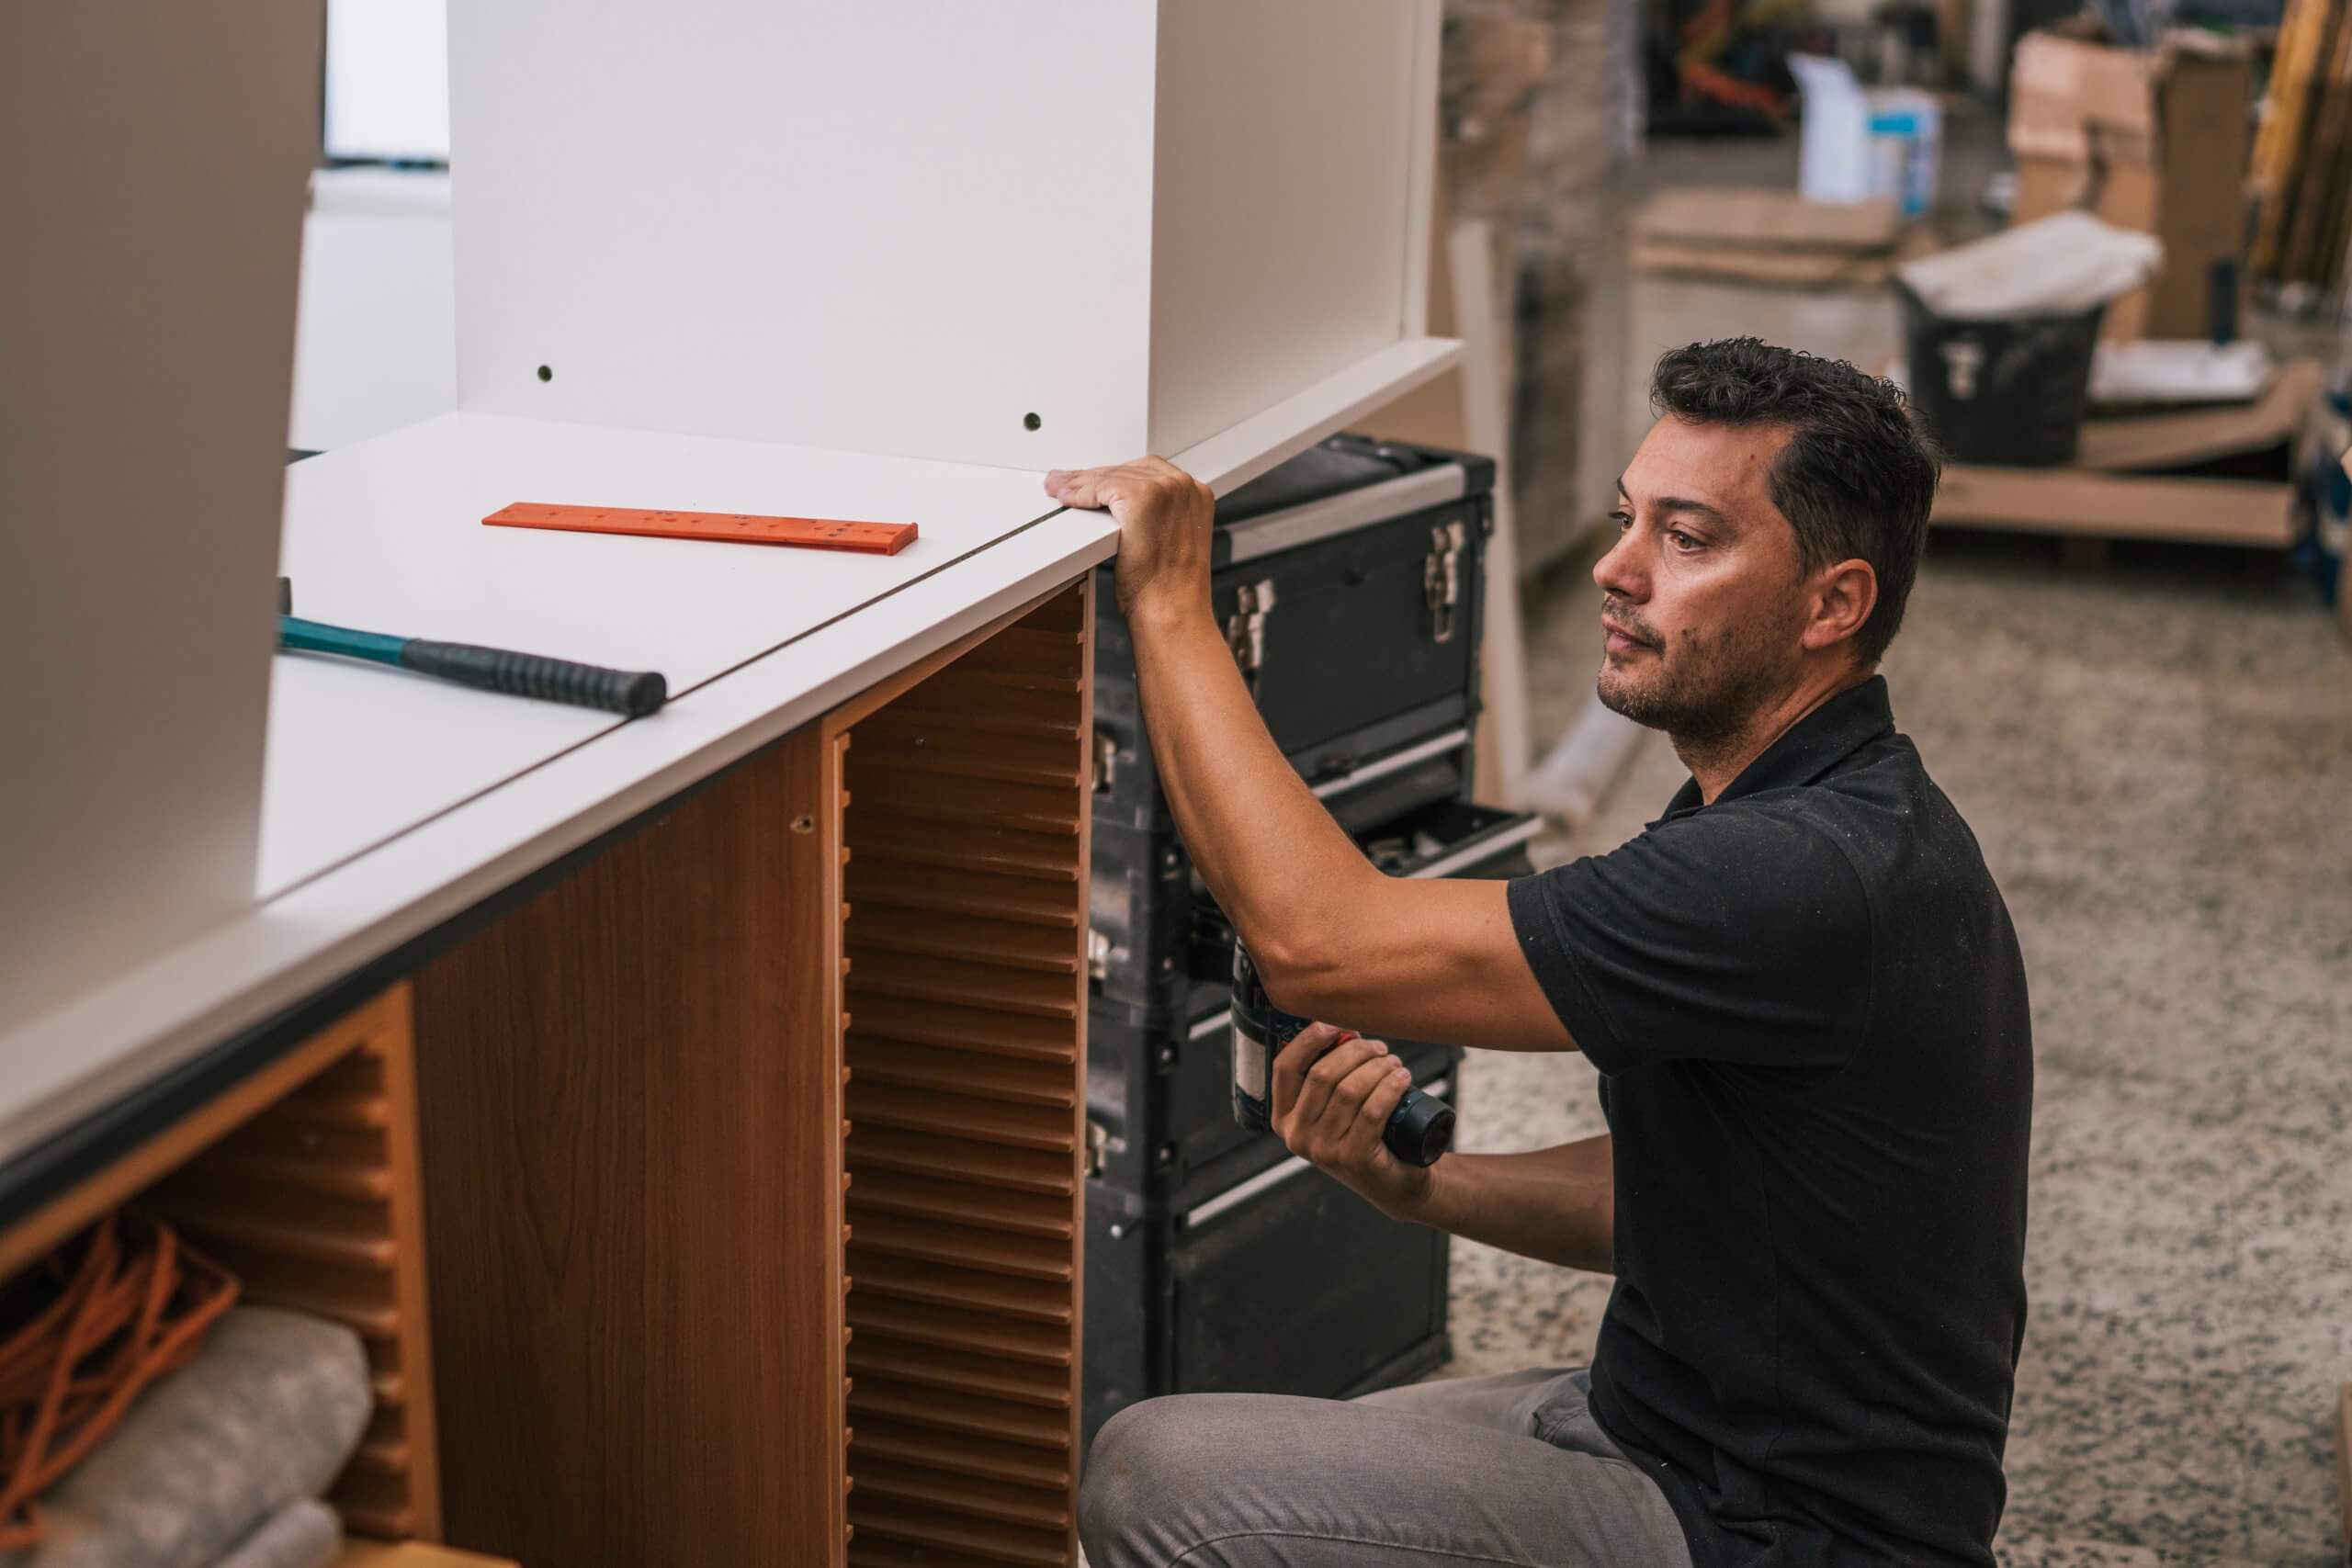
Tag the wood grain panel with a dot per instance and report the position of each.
(1016, 759)
(925, 1023)
(1038, 722)
(631, 1097)
(880, 1437)
(964, 984)
(879, 884)
(913, 841)
(967, 1044)
(953, 1160)
(887, 1061)
(36, 1235)
(934, 794)
(999, 939)
(915, 1325)
(954, 1113)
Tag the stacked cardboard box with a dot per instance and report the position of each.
(2153, 140)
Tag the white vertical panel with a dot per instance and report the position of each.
(387, 79)
(1284, 199)
(890, 227)
(376, 344)
(152, 155)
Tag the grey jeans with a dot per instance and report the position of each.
(1510, 1470)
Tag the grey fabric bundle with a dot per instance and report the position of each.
(300, 1535)
(265, 1416)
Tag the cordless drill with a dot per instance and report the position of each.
(1419, 1131)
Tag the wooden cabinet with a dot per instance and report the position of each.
(753, 1148)
(718, 1203)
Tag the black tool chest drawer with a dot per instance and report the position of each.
(1159, 1094)
(1159, 1075)
(1353, 613)
(1148, 906)
(1284, 1284)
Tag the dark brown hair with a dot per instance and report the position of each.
(1858, 475)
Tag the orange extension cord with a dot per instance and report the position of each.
(134, 1306)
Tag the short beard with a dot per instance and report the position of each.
(1703, 705)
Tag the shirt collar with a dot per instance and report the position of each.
(1814, 745)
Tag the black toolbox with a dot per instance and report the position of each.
(1347, 581)
(1283, 1283)
(1159, 1074)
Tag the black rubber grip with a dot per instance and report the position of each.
(635, 693)
(1421, 1129)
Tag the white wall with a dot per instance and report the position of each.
(376, 346)
(387, 79)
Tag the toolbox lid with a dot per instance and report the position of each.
(1342, 464)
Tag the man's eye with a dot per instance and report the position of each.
(1682, 540)
(1624, 519)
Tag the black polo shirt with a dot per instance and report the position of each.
(1809, 1012)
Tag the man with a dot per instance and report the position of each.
(1804, 996)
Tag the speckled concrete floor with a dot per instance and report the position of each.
(2156, 756)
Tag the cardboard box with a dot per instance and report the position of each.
(1773, 237)
(2153, 140)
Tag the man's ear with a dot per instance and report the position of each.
(1844, 596)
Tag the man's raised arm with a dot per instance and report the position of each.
(1333, 936)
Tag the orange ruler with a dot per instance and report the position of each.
(740, 528)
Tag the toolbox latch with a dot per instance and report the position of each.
(1098, 954)
(1442, 578)
(1107, 761)
(1098, 1145)
(1244, 631)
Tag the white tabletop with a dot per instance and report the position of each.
(393, 804)
(388, 535)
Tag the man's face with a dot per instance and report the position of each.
(1703, 609)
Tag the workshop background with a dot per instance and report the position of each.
(2146, 715)
(2106, 252)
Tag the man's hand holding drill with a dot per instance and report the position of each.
(1333, 1093)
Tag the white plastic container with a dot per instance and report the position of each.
(1857, 143)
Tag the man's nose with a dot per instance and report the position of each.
(1616, 571)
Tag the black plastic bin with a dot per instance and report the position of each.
(2010, 392)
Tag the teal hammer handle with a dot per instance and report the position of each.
(633, 692)
(317, 636)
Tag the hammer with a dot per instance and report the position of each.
(633, 692)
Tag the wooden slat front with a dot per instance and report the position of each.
(316, 1203)
(967, 1044)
